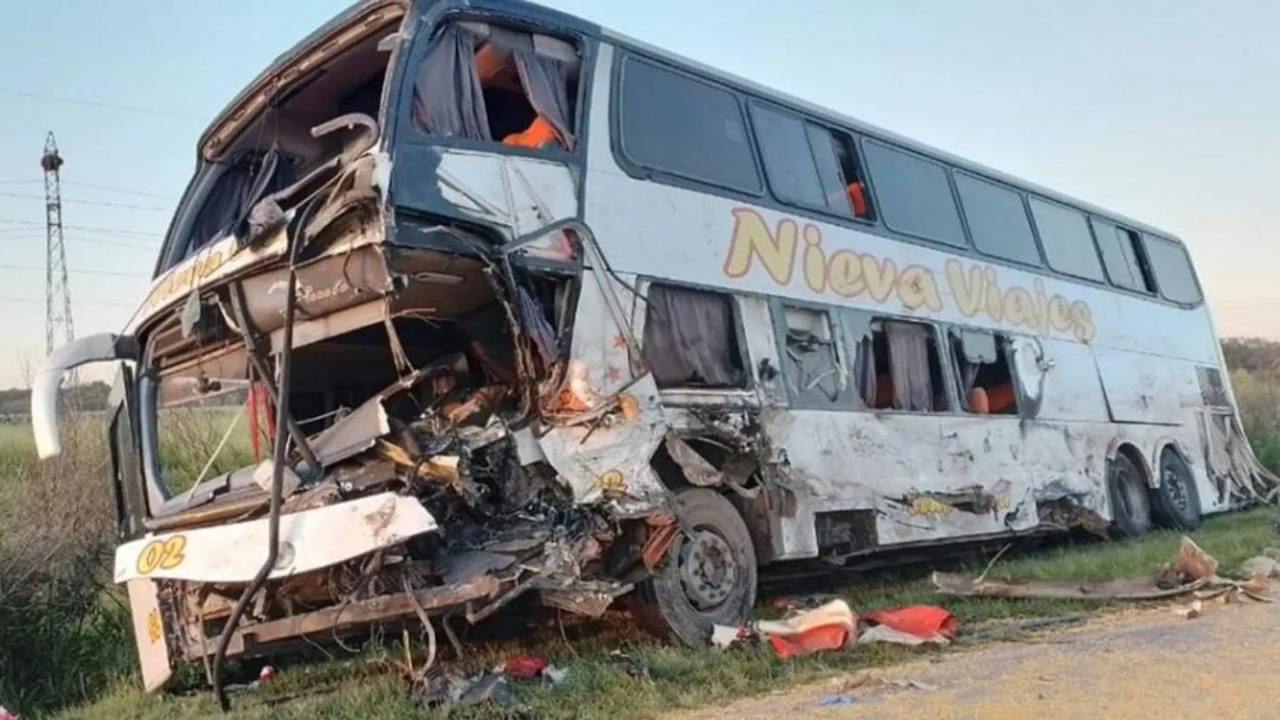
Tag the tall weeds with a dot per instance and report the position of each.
(63, 633)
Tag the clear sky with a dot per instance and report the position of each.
(1164, 110)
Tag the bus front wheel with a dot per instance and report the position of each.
(1130, 504)
(708, 576)
(1176, 502)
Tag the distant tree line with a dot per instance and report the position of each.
(1253, 355)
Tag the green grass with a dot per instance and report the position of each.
(368, 685)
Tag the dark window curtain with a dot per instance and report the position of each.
(909, 366)
(546, 82)
(864, 371)
(447, 98)
(689, 339)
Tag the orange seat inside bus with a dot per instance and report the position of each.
(992, 400)
(537, 135)
(858, 198)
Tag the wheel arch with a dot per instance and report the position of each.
(1126, 447)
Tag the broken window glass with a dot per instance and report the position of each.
(482, 82)
(690, 339)
(982, 366)
(811, 363)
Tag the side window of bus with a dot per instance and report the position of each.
(1172, 268)
(897, 366)
(983, 371)
(484, 82)
(1123, 256)
(914, 194)
(691, 339)
(1064, 234)
(811, 358)
(809, 165)
(997, 218)
(672, 123)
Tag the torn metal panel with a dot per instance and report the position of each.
(352, 434)
(609, 457)
(520, 194)
(697, 469)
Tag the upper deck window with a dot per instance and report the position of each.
(808, 165)
(997, 220)
(483, 82)
(914, 194)
(1172, 270)
(672, 123)
(1068, 245)
(1123, 256)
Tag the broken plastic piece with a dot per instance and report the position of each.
(829, 627)
(724, 636)
(885, 633)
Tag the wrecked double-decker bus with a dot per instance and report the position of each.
(515, 308)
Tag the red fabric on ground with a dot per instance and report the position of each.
(823, 637)
(923, 621)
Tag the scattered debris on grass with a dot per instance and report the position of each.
(829, 627)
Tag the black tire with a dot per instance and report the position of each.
(1130, 503)
(715, 547)
(1176, 502)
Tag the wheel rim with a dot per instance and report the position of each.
(1175, 483)
(708, 569)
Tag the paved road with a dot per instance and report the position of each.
(1143, 664)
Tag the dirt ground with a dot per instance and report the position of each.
(1138, 664)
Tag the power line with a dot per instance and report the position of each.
(96, 186)
(106, 303)
(99, 104)
(36, 268)
(93, 228)
(104, 203)
(115, 189)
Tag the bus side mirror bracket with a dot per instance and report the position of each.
(103, 347)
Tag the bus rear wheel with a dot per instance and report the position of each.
(708, 576)
(1130, 504)
(1176, 502)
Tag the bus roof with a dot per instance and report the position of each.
(539, 13)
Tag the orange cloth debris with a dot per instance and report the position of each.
(923, 621)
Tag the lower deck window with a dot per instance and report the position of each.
(691, 340)
(982, 367)
(899, 368)
(811, 364)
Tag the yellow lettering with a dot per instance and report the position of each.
(815, 261)
(844, 273)
(917, 288)
(966, 287)
(880, 276)
(1019, 308)
(751, 238)
(1083, 318)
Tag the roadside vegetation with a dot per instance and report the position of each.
(66, 646)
